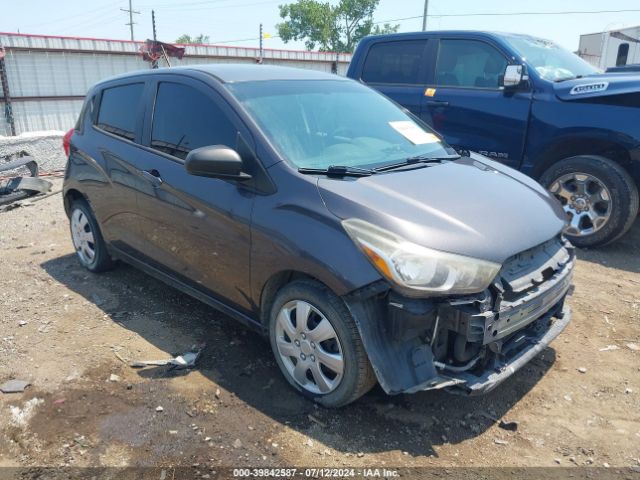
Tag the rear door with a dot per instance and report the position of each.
(112, 150)
(397, 69)
(466, 103)
(196, 229)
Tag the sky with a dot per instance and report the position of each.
(236, 22)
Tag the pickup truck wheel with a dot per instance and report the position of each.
(87, 239)
(598, 195)
(317, 345)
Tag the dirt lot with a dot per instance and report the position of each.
(67, 331)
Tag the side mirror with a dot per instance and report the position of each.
(215, 161)
(513, 76)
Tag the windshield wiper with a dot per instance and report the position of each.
(414, 160)
(339, 171)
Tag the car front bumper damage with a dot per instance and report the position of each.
(466, 345)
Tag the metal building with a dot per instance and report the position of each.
(48, 76)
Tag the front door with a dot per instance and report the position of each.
(196, 228)
(467, 104)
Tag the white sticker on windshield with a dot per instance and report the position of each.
(413, 132)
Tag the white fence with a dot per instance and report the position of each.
(49, 76)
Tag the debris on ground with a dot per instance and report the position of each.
(186, 360)
(582, 370)
(20, 416)
(159, 409)
(114, 378)
(499, 441)
(14, 386)
(316, 420)
(633, 346)
(609, 348)
(16, 188)
(512, 426)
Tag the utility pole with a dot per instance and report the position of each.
(260, 58)
(131, 22)
(154, 63)
(424, 15)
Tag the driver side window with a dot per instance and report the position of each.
(185, 119)
(469, 64)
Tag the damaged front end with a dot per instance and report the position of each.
(468, 344)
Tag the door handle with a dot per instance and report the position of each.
(152, 176)
(437, 103)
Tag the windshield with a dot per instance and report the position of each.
(323, 123)
(552, 62)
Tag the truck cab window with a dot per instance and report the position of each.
(469, 63)
(394, 62)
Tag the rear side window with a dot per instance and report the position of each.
(86, 113)
(118, 109)
(185, 118)
(394, 62)
(469, 63)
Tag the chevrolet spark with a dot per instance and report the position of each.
(321, 214)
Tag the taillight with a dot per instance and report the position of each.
(66, 142)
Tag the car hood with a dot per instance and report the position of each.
(598, 86)
(472, 206)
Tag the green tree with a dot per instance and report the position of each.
(330, 27)
(188, 39)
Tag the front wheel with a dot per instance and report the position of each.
(599, 197)
(317, 345)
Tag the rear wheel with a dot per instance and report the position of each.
(317, 345)
(599, 197)
(87, 239)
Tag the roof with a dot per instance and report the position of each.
(237, 72)
(444, 33)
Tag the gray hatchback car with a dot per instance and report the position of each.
(318, 212)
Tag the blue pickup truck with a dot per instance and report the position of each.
(528, 103)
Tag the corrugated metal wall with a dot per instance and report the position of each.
(48, 76)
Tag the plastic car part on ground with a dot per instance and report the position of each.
(17, 188)
(186, 360)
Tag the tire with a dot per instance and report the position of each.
(82, 219)
(619, 187)
(357, 376)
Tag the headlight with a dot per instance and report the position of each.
(419, 269)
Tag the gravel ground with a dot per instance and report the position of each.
(68, 332)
